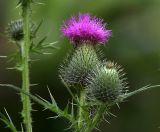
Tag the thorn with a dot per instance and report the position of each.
(97, 129)
(18, 5)
(112, 114)
(46, 53)
(34, 110)
(72, 108)
(51, 97)
(106, 120)
(7, 115)
(22, 127)
(52, 43)
(54, 117)
(31, 85)
(118, 105)
(3, 56)
(38, 3)
(70, 127)
(44, 109)
(10, 68)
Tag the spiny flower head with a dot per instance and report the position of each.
(86, 28)
(106, 83)
(79, 65)
(15, 30)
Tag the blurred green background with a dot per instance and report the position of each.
(135, 44)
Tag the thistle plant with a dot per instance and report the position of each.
(94, 84)
(23, 33)
(99, 84)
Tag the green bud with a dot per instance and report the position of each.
(106, 83)
(79, 65)
(15, 30)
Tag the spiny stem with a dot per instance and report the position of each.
(26, 111)
(81, 110)
(42, 102)
(99, 114)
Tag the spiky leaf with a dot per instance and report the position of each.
(7, 120)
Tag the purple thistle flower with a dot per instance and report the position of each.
(86, 29)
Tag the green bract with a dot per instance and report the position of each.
(79, 65)
(106, 84)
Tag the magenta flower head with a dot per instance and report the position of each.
(86, 29)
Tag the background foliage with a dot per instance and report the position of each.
(134, 44)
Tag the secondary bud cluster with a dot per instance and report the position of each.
(15, 30)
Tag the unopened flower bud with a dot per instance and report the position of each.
(106, 83)
(79, 65)
(15, 30)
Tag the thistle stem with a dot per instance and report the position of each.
(26, 111)
(96, 118)
(80, 110)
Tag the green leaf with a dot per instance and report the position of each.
(52, 98)
(127, 95)
(7, 120)
(37, 28)
(40, 47)
(66, 109)
(14, 57)
(69, 90)
(50, 106)
(39, 44)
